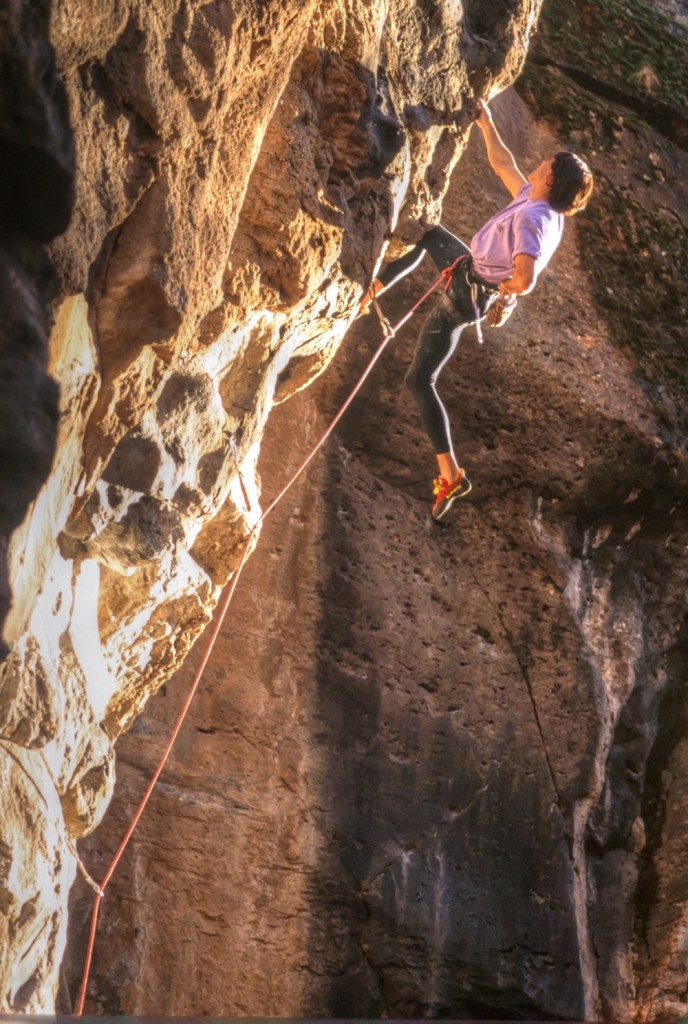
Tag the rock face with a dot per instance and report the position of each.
(36, 192)
(240, 169)
(435, 773)
(430, 773)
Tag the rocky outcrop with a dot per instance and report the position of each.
(635, 251)
(36, 192)
(240, 169)
(437, 772)
(430, 772)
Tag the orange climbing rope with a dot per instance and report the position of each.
(389, 332)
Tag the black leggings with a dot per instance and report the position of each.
(441, 331)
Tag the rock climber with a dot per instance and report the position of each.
(503, 261)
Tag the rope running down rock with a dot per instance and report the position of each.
(389, 332)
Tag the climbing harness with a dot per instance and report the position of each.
(475, 291)
(389, 332)
(476, 285)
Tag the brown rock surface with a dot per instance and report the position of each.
(434, 772)
(240, 167)
(36, 192)
(430, 772)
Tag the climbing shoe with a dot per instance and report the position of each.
(446, 493)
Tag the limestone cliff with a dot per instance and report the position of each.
(430, 772)
(439, 772)
(240, 167)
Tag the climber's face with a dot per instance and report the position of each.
(542, 177)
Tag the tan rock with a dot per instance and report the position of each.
(413, 781)
(240, 168)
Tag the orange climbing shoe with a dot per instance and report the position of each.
(446, 493)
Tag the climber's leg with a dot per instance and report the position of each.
(444, 248)
(437, 342)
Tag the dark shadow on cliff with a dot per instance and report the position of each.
(545, 446)
(36, 197)
(633, 127)
(448, 871)
(672, 717)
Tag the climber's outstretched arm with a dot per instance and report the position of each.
(501, 158)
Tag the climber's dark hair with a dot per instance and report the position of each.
(572, 183)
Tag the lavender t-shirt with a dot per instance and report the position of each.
(525, 225)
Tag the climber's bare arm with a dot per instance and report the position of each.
(501, 158)
(523, 279)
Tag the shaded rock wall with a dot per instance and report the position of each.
(240, 168)
(440, 772)
(435, 772)
(36, 192)
(624, 96)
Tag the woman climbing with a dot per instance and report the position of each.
(503, 261)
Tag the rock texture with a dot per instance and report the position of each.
(240, 170)
(430, 773)
(36, 194)
(436, 773)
